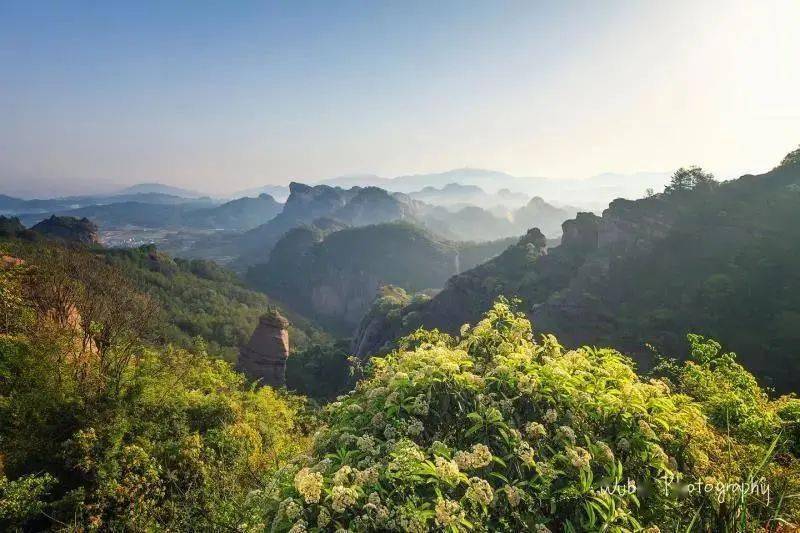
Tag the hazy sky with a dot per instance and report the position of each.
(227, 95)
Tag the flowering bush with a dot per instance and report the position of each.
(498, 431)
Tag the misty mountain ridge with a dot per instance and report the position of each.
(160, 188)
(592, 193)
(239, 214)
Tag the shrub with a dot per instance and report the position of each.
(498, 431)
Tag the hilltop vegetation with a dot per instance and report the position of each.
(195, 298)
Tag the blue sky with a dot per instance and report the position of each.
(227, 95)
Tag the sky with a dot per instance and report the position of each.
(219, 96)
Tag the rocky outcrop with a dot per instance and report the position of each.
(10, 226)
(580, 233)
(71, 229)
(560, 288)
(263, 358)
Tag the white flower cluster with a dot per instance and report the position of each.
(413, 427)
(646, 429)
(291, 509)
(377, 392)
(368, 476)
(535, 430)
(367, 444)
(606, 454)
(479, 491)
(345, 439)
(344, 476)
(579, 457)
(377, 420)
(343, 498)
(323, 518)
(299, 527)
(420, 406)
(479, 457)
(406, 457)
(550, 416)
(513, 495)
(566, 433)
(448, 512)
(526, 454)
(527, 383)
(309, 485)
(447, 470)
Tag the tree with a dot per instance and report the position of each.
(689, 179)
(792, 158)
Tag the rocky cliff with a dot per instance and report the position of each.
(263, 358)
(354, 207)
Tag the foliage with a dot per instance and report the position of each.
(688, 179)
(498, 431)
(100, 430)
(792, 158)
(321, 371)
(194, 298)
(202, 299)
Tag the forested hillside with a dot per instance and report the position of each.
(717, 259)
(333, 274)
(194, 298)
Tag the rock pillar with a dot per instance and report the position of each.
(264, 357)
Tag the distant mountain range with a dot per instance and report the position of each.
(593, 193)
(160, 188)
(241, 214)
(279, 192)
(11, 206)
(364, 206)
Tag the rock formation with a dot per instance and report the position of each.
(70, 229)
(10, 226)
(264, 357)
